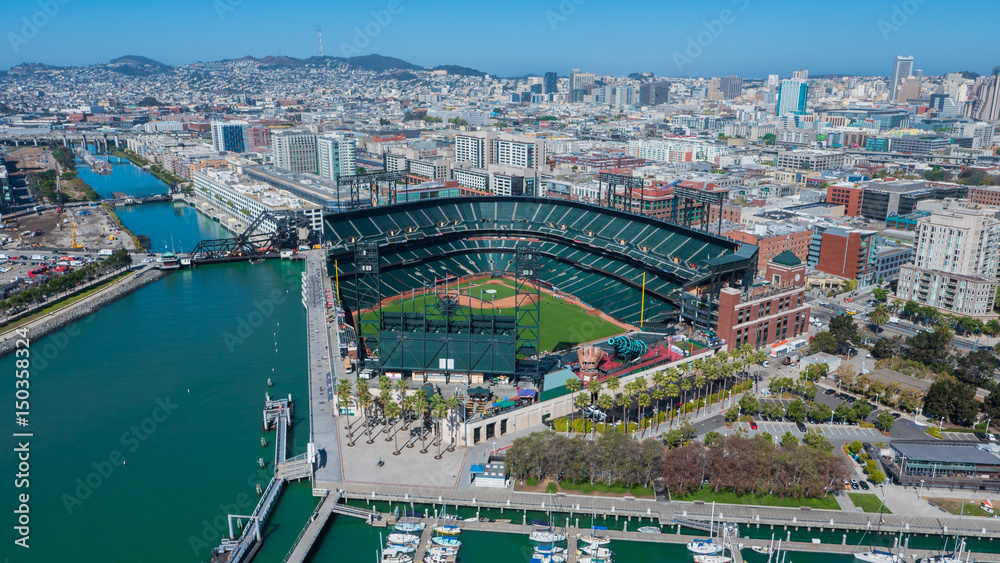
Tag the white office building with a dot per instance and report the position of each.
(240, 201)
(295, 151)
(954, 267)
(336, 155)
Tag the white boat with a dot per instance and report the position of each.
(594, 539)
(877, 556)
(448, 542)
(546, 536)
(592, 560)
(597, 551)
(704, 547)
(407, 527)
(651, 530)
(401, 548)
(403, 539)
(442, 550)
(762, 549)
(712, 559)
(392, 555)
(440, 558)
(448, 530)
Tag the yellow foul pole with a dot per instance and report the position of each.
(642, 309)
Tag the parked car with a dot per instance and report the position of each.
(800, 426)
(753, 425)
(981, 436)
(830, 392)
(864, 485)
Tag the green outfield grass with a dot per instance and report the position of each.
(564, 324)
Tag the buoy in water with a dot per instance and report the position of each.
(269, 384)
(123, 462)
(263, 442)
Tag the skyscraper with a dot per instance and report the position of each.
(987, 105)
(336, 156)
(731, 86)
(578, 83)
(792, 96)
(907, 89)
(551, 83)
(232, 136)
(901, 68)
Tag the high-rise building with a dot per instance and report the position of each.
(714, 93)
(232, 136)
(792, 96)
(731, 86)
(907, 89)
(654, 93)
(483, 148)
(954, 266)
(987, 105)
(801, 74)
(551, 83)
(336, 156)
(902, 68)
(295, 150)
(578, 84)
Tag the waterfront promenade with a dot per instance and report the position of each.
(324, 346)
(665, 512)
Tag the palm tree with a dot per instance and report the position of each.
(439, 411)
(992, 328)
(672, 392)
(699, 384)
(658, 394)
(613, 385)
(407, 405)
(364, 398)
(644, 402)
(420, 403)
(573, 385)
(345, 397)
(580, 402)
(685, 387)
(454, 404)
(393, 410)
(605, 402)
(879, 316)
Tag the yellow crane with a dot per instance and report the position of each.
(75, 245)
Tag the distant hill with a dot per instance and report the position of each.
(378, 63)
(460, 70)
(136, 60)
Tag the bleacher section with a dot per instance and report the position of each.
(596, 254)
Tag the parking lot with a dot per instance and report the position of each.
(960, 437)
(830, 431)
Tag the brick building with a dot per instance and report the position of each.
(773, 239)
(771, 311)
(846, 253)
(847, 194)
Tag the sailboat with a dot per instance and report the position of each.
(875, 555)
(709, 558)
(706, 547)
(955, 556)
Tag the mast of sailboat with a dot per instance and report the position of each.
(711, 523)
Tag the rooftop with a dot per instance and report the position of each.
(945, 453)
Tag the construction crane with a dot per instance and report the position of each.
(75, 245)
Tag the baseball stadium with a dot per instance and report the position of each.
(470, 284)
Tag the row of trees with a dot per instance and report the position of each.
(393, 408)
(754, 465)
(613, 458)
(703, 378)
(65, 283)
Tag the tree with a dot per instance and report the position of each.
(788, 440)
(345, 397)
(420, 404)
(825, 342)
(880, 294)
(815, 439)
(711, 437)
(976, 367)
(844, 329)
(392, 411)
(796, 411)
(879, 316)
(855, 447)
(364, 400)
(888, 347)
(820, 412)
(992, 328)
(768, 138)
(911, 308)
(952, 400)
(877, 477)
(815, 371)
(644, 402)
(439, 411)
(884, 421)
(749, 404)
(574, 385)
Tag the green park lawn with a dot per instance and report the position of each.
(867, 502)
(728, 497)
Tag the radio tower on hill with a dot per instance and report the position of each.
(319, 39)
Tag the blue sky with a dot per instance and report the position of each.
(751, 38)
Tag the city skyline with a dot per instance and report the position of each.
(735, 37)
